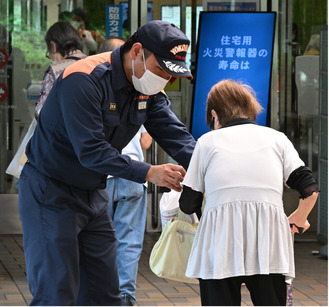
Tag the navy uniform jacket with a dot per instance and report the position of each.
(91, 114)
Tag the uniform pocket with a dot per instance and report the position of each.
(138, 118)
(111, 119)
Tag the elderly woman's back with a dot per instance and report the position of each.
(244, 235)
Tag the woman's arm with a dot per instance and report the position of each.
(299, 216)
(190, 201)
(303, 181)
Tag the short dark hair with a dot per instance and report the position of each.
(66, 38)
(131, 41)
(110, 44)
(65, 16)
(80, 13)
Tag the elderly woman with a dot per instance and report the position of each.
(64, 47)
(244, 235)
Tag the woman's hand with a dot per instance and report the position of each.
(299, 217)
(296, 223)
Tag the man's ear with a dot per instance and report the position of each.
(135, 50)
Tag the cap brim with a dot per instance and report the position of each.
(174, 68)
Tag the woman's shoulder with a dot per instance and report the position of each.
(204, 138)
(59, 67)
(76, 55)
(271, 131)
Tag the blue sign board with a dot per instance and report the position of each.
(113, 21)
(232, 45)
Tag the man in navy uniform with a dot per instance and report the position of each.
(92, 112)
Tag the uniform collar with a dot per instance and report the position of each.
(119, 79)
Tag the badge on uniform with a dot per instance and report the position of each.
(113, 106)
(141, 105)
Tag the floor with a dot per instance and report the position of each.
(310, 285)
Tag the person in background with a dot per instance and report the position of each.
(95, 108)
(91, 39)
(244, 235)
(78, 19)
(128, 208)
(64, 47)
(110, 44)
(65, 16)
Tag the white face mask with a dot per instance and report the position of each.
(76, 24)
(55, 60)
(149, 83)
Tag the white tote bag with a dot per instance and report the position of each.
(16, 165)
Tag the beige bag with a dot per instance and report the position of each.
(171, 252)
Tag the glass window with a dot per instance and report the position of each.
(23, 30)
(171, 13)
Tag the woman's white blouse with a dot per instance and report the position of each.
(243, 229)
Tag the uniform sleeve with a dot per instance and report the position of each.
(168, 131)
(80, 101)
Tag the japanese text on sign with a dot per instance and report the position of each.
(238, 47)
(113, 21)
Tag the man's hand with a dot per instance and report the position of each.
(166, 175)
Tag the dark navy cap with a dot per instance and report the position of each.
(169, 45)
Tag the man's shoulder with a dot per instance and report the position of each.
(88, 64)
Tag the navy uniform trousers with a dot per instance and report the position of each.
(69, 243)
